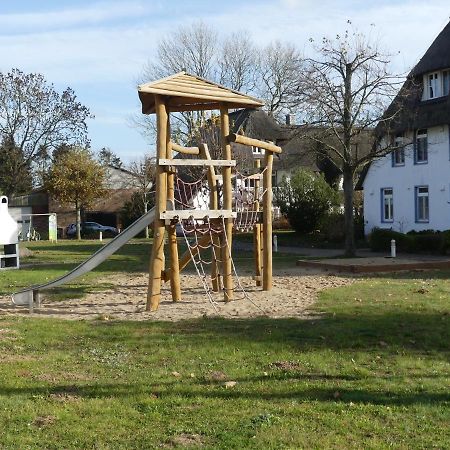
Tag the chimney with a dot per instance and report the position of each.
(288, 119)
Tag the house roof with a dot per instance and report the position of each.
(186, 92)
(437, 57)
(255, 123)
(408, 109)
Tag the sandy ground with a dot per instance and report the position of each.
(294, 291)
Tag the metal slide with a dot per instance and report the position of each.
(30, 296)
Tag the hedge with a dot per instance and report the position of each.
(429, 241)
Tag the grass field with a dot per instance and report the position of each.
(372, 370)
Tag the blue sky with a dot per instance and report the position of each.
(100, 48)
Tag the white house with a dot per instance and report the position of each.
(409, 189)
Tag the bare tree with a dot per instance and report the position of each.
(279, 66)
(191, 48)
(238, 62)
(143, 170)
(343, 94)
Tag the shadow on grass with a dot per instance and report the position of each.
(380, 335)
(160, 391)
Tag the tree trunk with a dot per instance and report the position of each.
(145, 212)
(349, 226)
(78, 221)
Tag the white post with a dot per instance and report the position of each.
(100, 236)
(393, 249)
(275, 243)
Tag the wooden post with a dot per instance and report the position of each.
(257, 232)
(227, 204)
(214, 205)
(175, 285)
(267, 222)
(157, 256)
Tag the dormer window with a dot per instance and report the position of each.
(257, 152)
(436, 84)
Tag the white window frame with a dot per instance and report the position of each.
(436, 84)
(387, 205)
(398, 156)
(421, 146)
(257, 151)
(422, 194)
(446, 82)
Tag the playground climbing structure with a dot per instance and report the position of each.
(206, 216)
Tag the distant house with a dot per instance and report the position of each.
(299, 150)
(410, 188)
(120, 183)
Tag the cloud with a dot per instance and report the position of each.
(97, 13)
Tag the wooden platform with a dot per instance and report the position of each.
(374, 265)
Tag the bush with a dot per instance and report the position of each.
(414, 241)
(380, 240)
(305, 199)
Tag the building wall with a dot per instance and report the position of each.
(403, 179)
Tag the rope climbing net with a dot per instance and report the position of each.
(248, 195)
(200, 236)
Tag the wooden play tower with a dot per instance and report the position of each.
(180, 93)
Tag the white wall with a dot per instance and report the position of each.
(403, 179)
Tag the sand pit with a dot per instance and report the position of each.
(294, 291)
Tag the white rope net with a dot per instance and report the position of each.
(217, 242)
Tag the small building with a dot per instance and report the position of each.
(120, 183)
(409, 189)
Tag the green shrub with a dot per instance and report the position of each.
(429, 241)
(380, 240)
(305, 199)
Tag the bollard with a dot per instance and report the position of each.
(275, 243)
(393, 249)
(100, 236)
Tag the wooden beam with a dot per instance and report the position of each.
(185, 150)
(197, 162)
(214, 205)
(244, 140)
(257, 232)
(175, 285)
(198, 214)
(227, 189)
(157, 256)
(267, 222)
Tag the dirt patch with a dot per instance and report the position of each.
(186, 440)
(44, 421)
(285, 365)
(294, 291)
(57, 377)
(6, 358)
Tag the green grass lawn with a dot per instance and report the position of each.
(371, 370)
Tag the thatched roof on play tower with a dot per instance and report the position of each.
(185, 92)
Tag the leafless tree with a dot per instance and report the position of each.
(143, 171)
(343, 94)
(192, 48)
(238, 62)
(279, 66)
